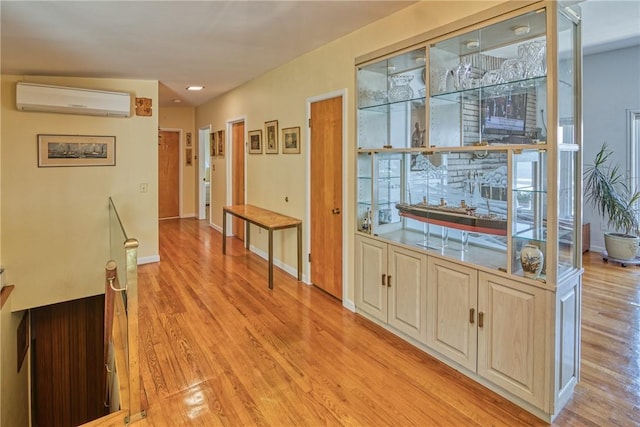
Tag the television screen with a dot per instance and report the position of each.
(504, 115)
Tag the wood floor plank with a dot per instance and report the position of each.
(219, 348)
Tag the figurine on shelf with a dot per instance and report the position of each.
(366, 221)
(417, 137)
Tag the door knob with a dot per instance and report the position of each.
(335, 211)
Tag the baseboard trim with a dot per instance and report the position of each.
(278, 263)
(148, 259)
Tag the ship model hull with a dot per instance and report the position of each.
(458, 218)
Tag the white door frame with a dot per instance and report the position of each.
(228, 148)
(346, 209)
(203, 152)
(180, 159)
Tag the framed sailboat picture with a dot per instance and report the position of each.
(76, 150)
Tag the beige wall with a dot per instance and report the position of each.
(55, 221)
(183, 119)
(282, 95)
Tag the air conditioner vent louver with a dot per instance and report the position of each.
(69, 100)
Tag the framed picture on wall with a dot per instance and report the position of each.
(221, 141)
(76, 150)
(255, 141)
(213, 144)
(291, 140)
(271, 132)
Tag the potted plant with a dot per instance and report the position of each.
(607, 190)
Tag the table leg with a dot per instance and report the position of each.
(299, 227)
(247, 235)
(224, 232)
(270, 259)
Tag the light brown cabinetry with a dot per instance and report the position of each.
(511, 336)
(489, 325)
(468, 151)
(452, 299)
(391, 286)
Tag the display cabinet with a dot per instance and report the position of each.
(468, 153)
(461, 163)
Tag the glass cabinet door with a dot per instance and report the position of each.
(364, 192)
(488, 86)
(529, 212)
(568, 143)
(391, 102)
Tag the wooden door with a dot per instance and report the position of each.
(168, 174)
(326, 195)
(407, 292)
(237, 197)
(511, 338)
(452, 292)
(371, 277)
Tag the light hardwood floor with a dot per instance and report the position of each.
(219, 348)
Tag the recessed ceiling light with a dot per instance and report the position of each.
(195, 87)
(472, 44)
(521, 30)
(177, 101)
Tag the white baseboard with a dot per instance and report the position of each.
(349, 305)
(278, 263)
(148, 259)
(216, 227)
(188, 215)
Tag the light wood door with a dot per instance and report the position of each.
(407, 292)
(168, 174)
(371, 277)
(326, 195)
(511, 349)
(452, 296)
(237, 197)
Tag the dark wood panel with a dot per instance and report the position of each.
(67, 351)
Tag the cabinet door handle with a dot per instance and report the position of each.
(335, 211)
(389, 281)
(472, 315)
(384, 276)
(480, 319)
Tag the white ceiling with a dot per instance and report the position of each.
(217, 44)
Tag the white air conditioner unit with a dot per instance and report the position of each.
(69, 100)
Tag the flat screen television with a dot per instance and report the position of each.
(504, 115)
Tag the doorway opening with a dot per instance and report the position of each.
(204, 172)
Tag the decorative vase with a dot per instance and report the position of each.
(532, 259)
(400, 89)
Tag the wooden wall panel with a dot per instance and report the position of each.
(67, 351)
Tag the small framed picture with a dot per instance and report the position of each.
(271, 131)
(291, 140)
(213, 143)
(221, 142)
(255, 141)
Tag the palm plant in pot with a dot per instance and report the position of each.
(607, 190)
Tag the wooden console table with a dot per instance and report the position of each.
(266, 219)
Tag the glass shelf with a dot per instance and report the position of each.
(514, 87)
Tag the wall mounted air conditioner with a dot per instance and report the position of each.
(69, 100)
